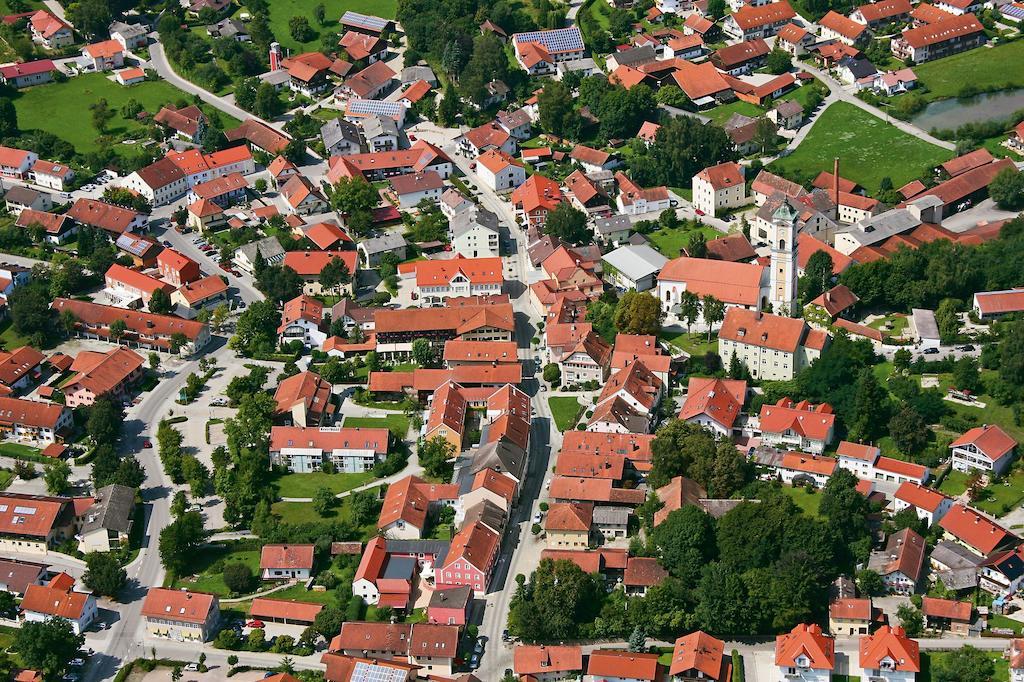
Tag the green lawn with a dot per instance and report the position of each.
(954, 484)
(721, 114)
(982, 67)
(898, 320)
(566, 411)
(398, 423)
(671, 242)
(11, 339)
(869, 149)
(928, 658)
(46, 107)
(204, 580)
(684, 192)
(6, 476)
(1002, 497)
(300, 593)
(695, 344)
(304, 485)
(303, 512)
(17, 450)
(808, 502)
(999, 621)
(283, 10)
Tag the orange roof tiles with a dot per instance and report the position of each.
(700, 652)
(441, 272)
(570, 516)
(809, 464)
(720, 399)
(177, 605)
(54, 601)
(101, 373)
(723, 175)
(624, 665)
(805, 642)
(264, 607)
(750, 17)
(845, 27)
(761, 329)
(889, 646)
(538, 660)
(942, 30)
(287, 556)
(537, 193)
(975, 530)
(989, 438)
(813, 421)
(733, 283)
(475, 543)
(946, 608)
(105, 49)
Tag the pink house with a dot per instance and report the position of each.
(471, 558)
(450, 605)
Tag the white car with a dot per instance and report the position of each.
(192, 667)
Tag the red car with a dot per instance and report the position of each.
(472, 166)
(699, 212)
(225, 267)
(254, 624)
(412, 138)
(147, 444)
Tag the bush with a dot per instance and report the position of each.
(239, 577)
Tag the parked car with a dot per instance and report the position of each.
(254, 624)
(192, 667)
(966, 348)
(147, 443)
(930, 351)
(474, 661)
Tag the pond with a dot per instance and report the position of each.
(949, 114)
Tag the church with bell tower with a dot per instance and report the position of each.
(783, 238)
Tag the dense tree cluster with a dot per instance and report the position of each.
(683, 147)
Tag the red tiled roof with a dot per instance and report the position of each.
(749, 17)
(946, 608)
(942, 30)
(643, 572)
(761, 329)
(701, 652)
(570, 516)
(624, 665)
(476, 543)
(973, 529)
(265, 607)
(890, 646)
(177, 605)
(989, 438)
(843, 26)
(720, 399)
(735, 283)
(805, 641)
(538, 660)
(287, 556)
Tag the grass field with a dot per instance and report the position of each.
(695, 343)
(11, 339)
(46, 107)
(669, 242)
(204, 580)
(982, 67)
(1000, 498)
(305, 485)
(283, 10)
(398, 423)
(6, 476)
(869, 148)
(954, 484)
(565, 410)
(303, 512)
(721, 114)
(17, 450)
(299, 592)
(808, 502)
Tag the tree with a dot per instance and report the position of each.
(716, 8)
(117, 330)
(104, 574)
(689, 308)
(154, 361)
(910, 620)
(870, 408)
(552, 374)
(817, 276)
(638, 313)
(320, 13)
(966, 376)
(323, 500)
(256, 328)
(104, 421)
(238, 577)
(423, 353)
(713, 311)
(1007, 189)
(686, 541)
(569, 224)
(180, 540)
(448, 109)
(30, 311)
(435, 457)
(300, 30)
(901, 359)
(179, 504)
(48, 646)
(556, 601)
(91, 17)
(266, 103)
(8, 605)
(335, 274)
(352, 195)
(947, 317)
(101, 115)
(683, 147)
(8, 118)
(555, 109)
(909, 431)
(160, 302)
(966, 664)
(779, 61)
(870, 583)
(56, 476)
(638, 640)
(488, 62)
(765, 135)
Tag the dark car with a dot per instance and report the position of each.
(965, 348)
(930, 351)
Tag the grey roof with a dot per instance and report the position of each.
(513, 119)
(959, 579)
(21, 195)
(497, 88)
(636, 262)
(719, 508)
(112, 510)
(874, 229)
(789, 107)
(774, 202)
(611, 516)
(502, 456)
(860, 68)
(487, 513)
(339, 129)
(376, 126)
(451, 597)
(128, 30)
(637, 239)
(269, 248)
(439, 548)
(582, 64)
(411, 74)
(954, 556)
(399, 567)
(616, 223)
(636, 55)
(389, 241)
(452, 198)
(462, 222)
(279, 77)
(925, 324)
(227, 28)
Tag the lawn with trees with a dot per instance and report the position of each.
(565, 410)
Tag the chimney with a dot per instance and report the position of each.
(835, 179)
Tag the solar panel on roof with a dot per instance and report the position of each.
(556, 40)
(1012, 11)
(365, 20)
(374, 107)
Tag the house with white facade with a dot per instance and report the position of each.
(797, 425)
(772, 347)
(474, 233)
(717, 188)
(805, 654)
(985, 448)
(889, 655)
(929, 504)
(499, 171)
(303, 449)
(438, 280)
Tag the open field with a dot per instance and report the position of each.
(206, 580)
(983, 68)
(869, 149)
(808, 502)
(283, 10)
(46, 107)
(565, 410)
(305, 485)
(303, 512)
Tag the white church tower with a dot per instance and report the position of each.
(782, 281)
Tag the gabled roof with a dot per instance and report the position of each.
(537, 660)
(889, 646)
(845, 27)
(914, 494)
(287, 556)
(749, 17)
(993, 442)
(623, 665)
(941, 30)
(476, 544)
(178, 605)
(805, 641)
(975, 530)
(570, 516)
(946, 608)
(719, 399)
(733, 283)
(761, 329)
(699, 651)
